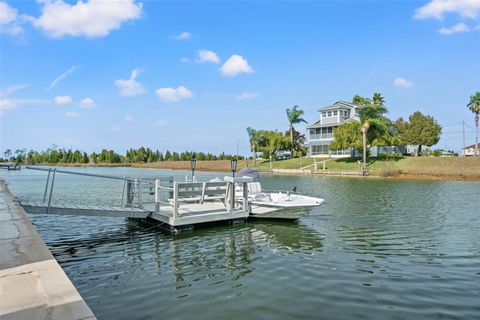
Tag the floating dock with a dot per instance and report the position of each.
(10, 166)
(176, 205)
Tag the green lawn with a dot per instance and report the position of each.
(437, 166)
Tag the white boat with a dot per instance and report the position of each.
(274, 204)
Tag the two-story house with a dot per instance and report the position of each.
(320, 134)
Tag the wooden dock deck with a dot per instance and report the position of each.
(188, 214)
(195, 213)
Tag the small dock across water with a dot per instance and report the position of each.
(10, 166)
(176, 205)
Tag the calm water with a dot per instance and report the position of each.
(375, 250)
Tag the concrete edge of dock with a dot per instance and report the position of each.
(32, 283)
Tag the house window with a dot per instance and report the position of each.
(324, 114)
(335, 112)
(329, 113)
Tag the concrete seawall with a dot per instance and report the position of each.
(32, 283)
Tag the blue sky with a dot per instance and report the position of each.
(193, 75)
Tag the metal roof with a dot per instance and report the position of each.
(336, 124)
(339, 104)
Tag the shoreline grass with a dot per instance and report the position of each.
(423, 168)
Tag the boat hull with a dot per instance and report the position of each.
(266, 212)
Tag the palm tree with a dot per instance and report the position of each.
(375, 126)
(474, 106)
(378, 100)
(294, 117)
(8, 154)
(253, 138)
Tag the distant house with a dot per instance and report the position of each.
(320, 134)
(470, 150)
(446, 153)
(283, 154)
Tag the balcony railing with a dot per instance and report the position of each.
(319, 136)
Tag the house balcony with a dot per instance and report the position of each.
(321, 136)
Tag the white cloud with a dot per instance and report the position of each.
(173, 95)
(114, 128)
(6, 105)
(9, 90)
(11, 104)
(403, 83)
(185, 59)
(61, 77)
(62, 100)
(10, 20)
(128, 118)
(7, 13)
(87, 103)
(130, 87)
(460, 27)
(71, 114)
(235, 65)
(246, 96)
(182, 36)
(160, 123)
(93, 18)
(207, 56)
(438, 8)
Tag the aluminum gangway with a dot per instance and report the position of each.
(172, 203)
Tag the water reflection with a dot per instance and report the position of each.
(213, 255)
(289, 235)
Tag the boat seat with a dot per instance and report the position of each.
(254, 187)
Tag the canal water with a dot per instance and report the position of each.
(376, 249)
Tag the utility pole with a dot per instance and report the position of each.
(463, 150)
(476, 136)
(364, 136)
(238, 143)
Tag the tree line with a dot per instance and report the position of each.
(54, 155)
(270, 141)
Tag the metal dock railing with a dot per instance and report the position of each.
(162, 199)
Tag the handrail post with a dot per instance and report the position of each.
(46, 187)
(129, 193)
(123, 192)
(51, 190)
(175, 200)
(245, 197)
(157, 195)
(138, 187)
(232, 197)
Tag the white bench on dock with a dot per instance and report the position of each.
(200, 202)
